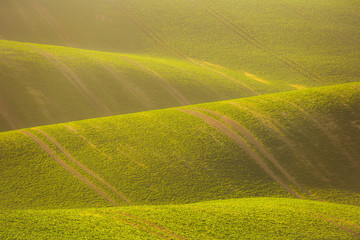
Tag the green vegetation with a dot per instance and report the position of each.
(200, 51)
(251, 218)
(271, 145)
(179, 119)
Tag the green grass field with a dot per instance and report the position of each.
(307, 148)
(179, 119)
(58, 84)
(159, 54)
(250, 218)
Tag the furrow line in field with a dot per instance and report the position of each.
(7, 117)
(163, 82)
(131, 158)
(20, 8)
(82, 166)
(138, 93)
(336, 143)
(60, 31)
(258, 145)
(135, 225)
(87, 141)
(250, 39)
(148, 32)
(76, 82)
(330, 219)
(67, 167)
(148, 223)
(275, 126)
(101, 152)
(253, 92)
(319, 23)
(211, 89)
(243, 145)
(10, 118)
(346, 222)
(172, 50)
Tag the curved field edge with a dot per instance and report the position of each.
(59, 84)
(300, 144)
(251, 218)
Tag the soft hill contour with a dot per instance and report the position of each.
(301, 144)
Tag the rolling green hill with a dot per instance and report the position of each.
(165, 54)
(300, 144)
(253, 218)
(58, 84)
(179, 119)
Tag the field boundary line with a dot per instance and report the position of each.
(67, 167)
(82, 166)
(171, 49)
(58, 29)
(260, 147)
(250, 39)
(243, 145)
(75, 81)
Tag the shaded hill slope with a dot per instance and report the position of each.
(252, 218)
(305, 41)
(300, 144)
(43, 84)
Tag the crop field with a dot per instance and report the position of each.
(229, 219)
(179, 119)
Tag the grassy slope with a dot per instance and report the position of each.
(268, 47)
(259, 218)
(306, 142)
(259, 37)
(57, 84)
